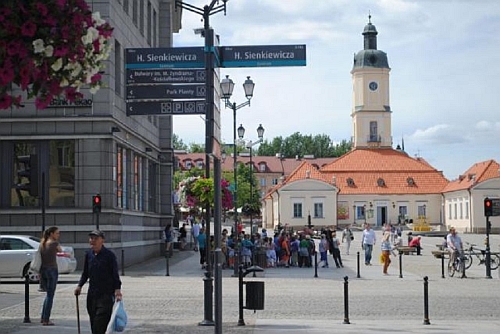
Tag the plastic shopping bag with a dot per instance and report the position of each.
(36, 263)
(118, 320)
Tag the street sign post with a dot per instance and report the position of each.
(191, 107)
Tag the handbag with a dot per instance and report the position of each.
(118, 320)
(36, 263)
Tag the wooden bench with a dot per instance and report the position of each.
(440, 253)
(406, 250)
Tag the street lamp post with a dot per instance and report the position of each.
(227, 86)
(250, 145)
(208, 33)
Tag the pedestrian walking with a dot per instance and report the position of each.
(202, 247)
(183, 236)
(324, 246)
(49, 247)
(347, 237)
(195, 231)
(101, 270)
(386, 247)
(169, 238)
(335, 243)
(367, 242)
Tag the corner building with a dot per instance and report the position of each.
(92, 147)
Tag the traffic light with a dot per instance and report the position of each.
(27, 174)
(96, 203)
(488, 207)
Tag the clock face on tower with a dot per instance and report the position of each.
(373, 86)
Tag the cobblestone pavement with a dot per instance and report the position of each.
(295, 300)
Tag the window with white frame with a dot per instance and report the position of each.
(188, 164)
(461, 210)
(421, 210)
(318, 210)
(262, 166)
(466, 210)
(455, 211)
(263, 182)
(199, 164)
(297, 210)
(274, 182)
(449, 211)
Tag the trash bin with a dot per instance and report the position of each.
(261, 258)
(254, 295)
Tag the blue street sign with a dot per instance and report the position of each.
(263, 55)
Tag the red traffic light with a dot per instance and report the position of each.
(488, 207)
(96, 203)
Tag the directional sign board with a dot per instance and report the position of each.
(191, 107)
(158, 92)
(153, 58)
(167, 76)
(263, 55)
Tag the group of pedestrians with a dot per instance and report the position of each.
(100, 269)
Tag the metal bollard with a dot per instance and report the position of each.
(346, 300)
(241, 321)
(315, 264)
(400, 264)
(167, 264)
(208, 300)
(426, 301)
(442, 265)
(358, 276)
(27, 299)
(123, 262)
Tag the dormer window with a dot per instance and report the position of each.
(262, 166)
(381, 182)
(411, 181)
(350, 182)
(188, 164)
(199, 164)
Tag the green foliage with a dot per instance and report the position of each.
(320, 146)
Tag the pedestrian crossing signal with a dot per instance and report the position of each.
(96, 203)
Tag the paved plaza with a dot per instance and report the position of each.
(295, 300)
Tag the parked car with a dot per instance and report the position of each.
(16, 254)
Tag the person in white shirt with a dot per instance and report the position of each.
(454, 243)
(195, 230)
(367, 242)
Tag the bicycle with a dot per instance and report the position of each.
(480, 255)
(457, 265)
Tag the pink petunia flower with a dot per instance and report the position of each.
(28, 29)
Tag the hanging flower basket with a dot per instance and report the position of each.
(50, 48)
(197, 191)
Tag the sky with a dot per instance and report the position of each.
(444, 57)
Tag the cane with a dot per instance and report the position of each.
(78, 314)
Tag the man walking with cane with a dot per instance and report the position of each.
(101, 269)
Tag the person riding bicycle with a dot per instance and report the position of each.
(454, 243)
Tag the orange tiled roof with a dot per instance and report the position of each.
(478, 172)
(367, 167)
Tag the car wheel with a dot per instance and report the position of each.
(32, 276)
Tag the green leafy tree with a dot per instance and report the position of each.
(178, 144)
(196, 148)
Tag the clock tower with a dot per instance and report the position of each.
(371, 113)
